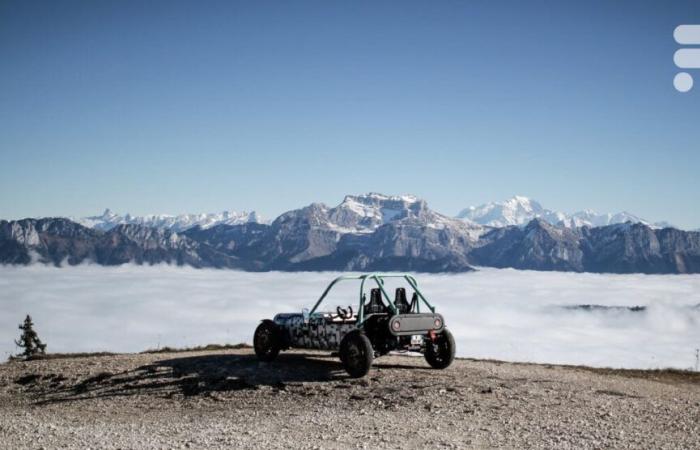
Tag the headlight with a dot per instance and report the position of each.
(396, 325)
(437, 323)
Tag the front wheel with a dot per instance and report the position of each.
(266, 341)
(356, 353)
(441, 353)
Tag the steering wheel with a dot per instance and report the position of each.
(344, 313)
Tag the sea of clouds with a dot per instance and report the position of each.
(500, 314)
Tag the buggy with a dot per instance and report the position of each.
(375, 328)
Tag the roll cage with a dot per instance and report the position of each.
(378, 278)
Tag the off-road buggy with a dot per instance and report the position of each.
(375, 328)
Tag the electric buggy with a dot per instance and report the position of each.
(375, 328)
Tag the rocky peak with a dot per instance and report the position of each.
(520, 210)
(517, 210)
(141, 234)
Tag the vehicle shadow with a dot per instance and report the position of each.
(197, 375)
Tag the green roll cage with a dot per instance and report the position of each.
(379, 279)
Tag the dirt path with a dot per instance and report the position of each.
(227, 399)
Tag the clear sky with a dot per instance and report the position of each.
(169, 107)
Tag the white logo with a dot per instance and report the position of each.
(686, 58)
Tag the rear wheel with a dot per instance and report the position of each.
(441, 353)
(356, 353)
(266, 341)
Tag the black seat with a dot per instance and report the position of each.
(375, 305)
(400, 301)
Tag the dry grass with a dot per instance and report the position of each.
(60, 356)
(666, 375)
(201, 348)
(663, 375)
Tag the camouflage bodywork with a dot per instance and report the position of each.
(321, 333)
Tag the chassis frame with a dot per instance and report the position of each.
(378, 278)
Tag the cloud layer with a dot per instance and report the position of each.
(502, 314)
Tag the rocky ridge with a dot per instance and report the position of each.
(371, 232)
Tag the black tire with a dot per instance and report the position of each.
(266, 341)
(356, 353)
(441, 353)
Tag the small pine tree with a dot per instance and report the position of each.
(29, 340)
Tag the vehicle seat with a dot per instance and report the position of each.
(400, 301)
(375, 305)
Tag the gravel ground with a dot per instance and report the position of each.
(304, 400)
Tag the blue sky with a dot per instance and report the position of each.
(203, 106)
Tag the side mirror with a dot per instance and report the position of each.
(305, 314)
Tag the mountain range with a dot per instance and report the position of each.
(517, 210)
(371, 232)
(182, 222)
(520, 210)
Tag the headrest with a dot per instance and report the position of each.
(400, 295)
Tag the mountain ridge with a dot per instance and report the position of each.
(180, 222)
(370, 232)
(520, 210)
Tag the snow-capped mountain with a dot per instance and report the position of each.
(592, 219)
(521, 210)
(515, 211)
(364, 232)
(371, 232)
(365, 213)
(109, 220)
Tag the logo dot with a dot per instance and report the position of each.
(683, 82)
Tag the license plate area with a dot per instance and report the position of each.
(416, 339)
